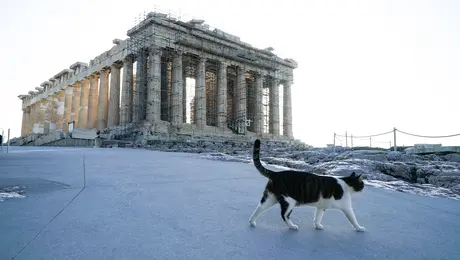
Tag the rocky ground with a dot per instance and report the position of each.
(11, 192)
(432, 175)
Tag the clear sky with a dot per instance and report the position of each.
(364, 66)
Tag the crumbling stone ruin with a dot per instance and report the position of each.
(169, 77)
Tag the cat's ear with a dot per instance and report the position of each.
(353, 175)
(360, 177)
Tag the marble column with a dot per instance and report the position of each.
(258, 104)
(114, 100)
(126, 113)
(274, 115)
(177, 89)
(75, 104)
(83, 108)
(53, 99)
(200, 94)
(48, 102)
(165, 89)
(287, 109)
(154, 86)
(60, 109)
(184, 94)
(67, 108)
(24, 121)
(33, 117)
(240, 99)
(23, 124)
(140, 93)
(92, 101)
(103, 101)
(37, 117)
(27, 129)
(167, 92)
(222, 95)
(40, 117)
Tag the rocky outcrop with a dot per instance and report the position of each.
(382, 165)
(11, 192)
(25, 140)
(438, 170)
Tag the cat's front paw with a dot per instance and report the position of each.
(252, 223)
(360, 229)
(319, 226)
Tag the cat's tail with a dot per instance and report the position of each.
(256, 159)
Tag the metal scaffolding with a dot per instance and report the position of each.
(239, 90)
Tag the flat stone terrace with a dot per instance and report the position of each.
(139, 204)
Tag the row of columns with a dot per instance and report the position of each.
(89, 103)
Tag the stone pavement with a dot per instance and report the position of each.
(139, 204)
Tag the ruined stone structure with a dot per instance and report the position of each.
(144, 80)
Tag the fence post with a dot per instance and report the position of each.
(346, 139)
(394, 137)
(8, 142)
(334, 143)
(3, 138)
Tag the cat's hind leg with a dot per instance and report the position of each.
(319, 213)
(268, 200)
(287, 205)
(348, 212)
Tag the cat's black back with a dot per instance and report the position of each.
(304, 187)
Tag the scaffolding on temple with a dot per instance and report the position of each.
(175, 75)
(240, 85)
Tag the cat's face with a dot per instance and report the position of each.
(355, 181)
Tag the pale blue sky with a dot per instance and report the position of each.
(364, 66)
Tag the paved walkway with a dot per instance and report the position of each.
(139, 204)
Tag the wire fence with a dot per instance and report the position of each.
(377, 140)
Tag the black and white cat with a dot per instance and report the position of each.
(296, 188)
